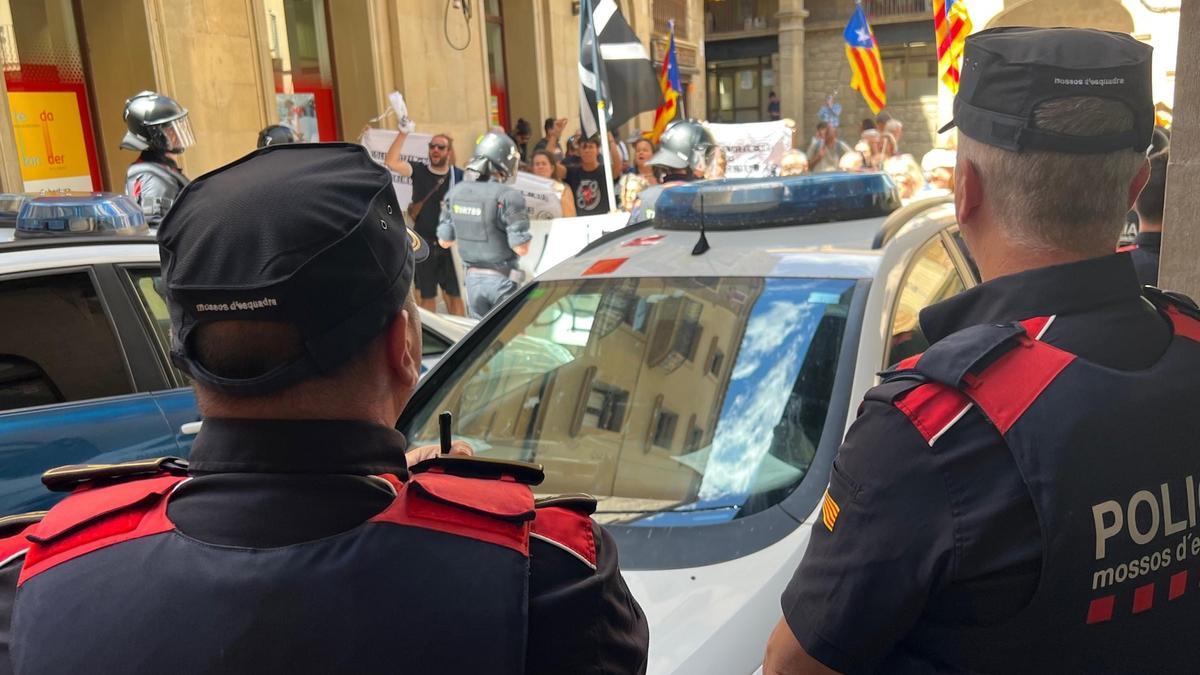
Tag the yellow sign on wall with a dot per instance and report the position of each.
(50, 140)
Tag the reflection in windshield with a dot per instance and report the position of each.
(675, 401)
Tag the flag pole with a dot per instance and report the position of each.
(601, 117)
(682, 114)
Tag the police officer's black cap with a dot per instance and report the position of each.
(307, 234)
(1008, 72)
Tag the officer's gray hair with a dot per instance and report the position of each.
(1059, 201)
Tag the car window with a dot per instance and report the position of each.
(931, 278)
(697, 399)
(59, 345)
(432, 344)
(148, 286)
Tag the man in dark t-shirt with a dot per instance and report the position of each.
(587, 180)
(430, 183)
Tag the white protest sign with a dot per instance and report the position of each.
(542, 197)
(566, 236)
(753, 150)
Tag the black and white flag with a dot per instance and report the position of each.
(624, 74)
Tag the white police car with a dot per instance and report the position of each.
(84, 374)
(699, 386)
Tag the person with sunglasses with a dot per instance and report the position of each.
(430, 183)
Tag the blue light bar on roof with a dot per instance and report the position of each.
(753, 203)
(68, 215)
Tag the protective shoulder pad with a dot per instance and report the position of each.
(13, 543)
(96, 516)
(932, 407)
(565, 523)
(70, 477)
(954, 357)
(1179, 308)
(486, 468)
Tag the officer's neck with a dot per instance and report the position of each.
(1005, 257)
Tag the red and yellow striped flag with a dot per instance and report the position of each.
(951, 26)
(829, 511)
(668, 81)
(865, 65)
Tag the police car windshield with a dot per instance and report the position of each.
(676, 401)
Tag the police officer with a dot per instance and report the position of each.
(685, 151)
(158, 128)
(487, 219)
(1001, 503)
(276, 134)
(300, 539)
(1147, 246)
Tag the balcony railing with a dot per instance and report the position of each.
(889, 8)
(666, 11)
(740, 17)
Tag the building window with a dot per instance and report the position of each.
(497, 72)
(303, 64)
(664, 429)
(739, 90)
(606, 407)
(695, 436)
(910, 71)
(716, 359)
(666, 11)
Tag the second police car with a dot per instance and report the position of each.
(84, 373)
(697, 375)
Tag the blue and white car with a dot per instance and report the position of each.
(84, 374)
(696, 373)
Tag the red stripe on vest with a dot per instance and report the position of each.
(95, 518)
(14, 544)
(1127, 248)
(423, 502)
(1185, 325)
(1006, 389)
(932, 407)
(567, 529)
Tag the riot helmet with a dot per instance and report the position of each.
(156, 122)
(276, 134)
(495, 153)
(685, 144)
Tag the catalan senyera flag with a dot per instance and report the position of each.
(672, 90)
(951, 26)
(829, 511)
(865, 65)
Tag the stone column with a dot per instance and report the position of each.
(790, 78)
(1181, 231)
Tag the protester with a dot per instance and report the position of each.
(520, 135)
(275, 134)
(992, 494)
(906, 173)
(572, 157)
(773, 108)
(1147, 246)
(716, 168)
(643, 151)
(430, 183)
(793, 163)
(870, 146)
(544, 165)
(938, 165)
(588, 181)
(553, 130)
(825, 150)
(851, 162)
(893, 129)
(629, 188)
(487, 219)
(299, 538)
(158, 129)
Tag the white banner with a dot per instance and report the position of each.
(562, 238)
(541, 197)
(753, 150)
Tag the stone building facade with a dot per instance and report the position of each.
(322, 66)
(810, 61)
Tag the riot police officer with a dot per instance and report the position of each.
(300, 539)
(276, 134)
(685, 151)
(158, 128)
(488, 221)
(1020, 497)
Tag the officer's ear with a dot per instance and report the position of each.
(968, 191)
(403, 353)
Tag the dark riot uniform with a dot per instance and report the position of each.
(1058, 396)
(307, 546)
(154, 181)
(1145, 251)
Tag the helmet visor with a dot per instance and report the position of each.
(177, 135)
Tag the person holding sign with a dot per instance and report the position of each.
(430, 184)
(543, 165)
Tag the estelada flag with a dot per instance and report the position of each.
(951, 25)
(865, 65)
(668, 81)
